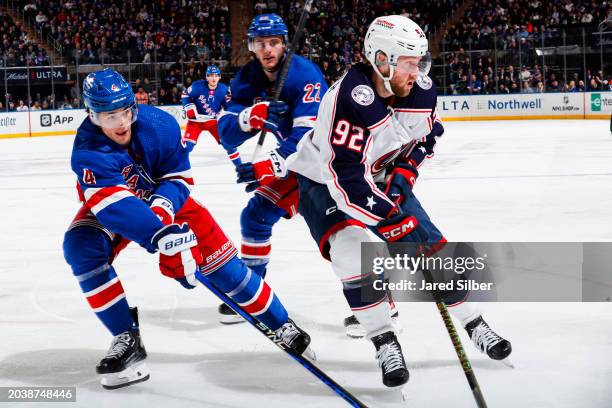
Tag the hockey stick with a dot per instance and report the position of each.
(263, 329)
(454, 336)
(283, 74)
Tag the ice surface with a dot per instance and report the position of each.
(498, 181)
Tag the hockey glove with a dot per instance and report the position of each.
(402, 228)
(263, 115)
(262, 172)
(163, 209)
(179, 253)
(400, 183)
(190, 111)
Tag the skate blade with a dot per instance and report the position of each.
(231, 319)
(310, 354)
(132, 375)
(403, 393)
(355, 332)
(507, 362)
(397, 326)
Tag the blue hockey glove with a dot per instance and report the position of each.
(400, 182)
(402, 227)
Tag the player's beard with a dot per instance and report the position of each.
(402, 90)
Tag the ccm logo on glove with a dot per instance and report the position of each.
(397, 227)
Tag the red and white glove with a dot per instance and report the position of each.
(179, 253)
(263, 115)
(163, 209)
(262, 172)
(190, 111)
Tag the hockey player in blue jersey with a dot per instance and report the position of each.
(356, 171)
(250, 111)
(134, 178)
(202, 103)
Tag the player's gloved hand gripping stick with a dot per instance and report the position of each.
(283, 74)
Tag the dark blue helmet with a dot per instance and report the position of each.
(267, 25)
(106, 90)
(213, 70)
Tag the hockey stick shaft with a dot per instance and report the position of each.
(454, 336)
(263, 329)
(295, 41)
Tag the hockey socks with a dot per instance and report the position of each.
(251, 292)
(370, 307)
(256, 255)
(105, 295)
(87, 251)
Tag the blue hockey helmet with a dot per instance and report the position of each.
(213, 70)
(106, 91)
(267, 25)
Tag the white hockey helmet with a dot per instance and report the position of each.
(396, 36)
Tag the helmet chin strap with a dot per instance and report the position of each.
(386, 80)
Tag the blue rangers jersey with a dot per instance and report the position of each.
(115, 181)
(358, 135)
(302, 92)
(207, 101)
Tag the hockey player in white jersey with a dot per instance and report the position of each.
(356, 170)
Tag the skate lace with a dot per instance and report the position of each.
(484, 338)
(119, 345)
(390, 357)
(288, 332)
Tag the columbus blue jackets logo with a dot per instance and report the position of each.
(424, 82)
(363, 95)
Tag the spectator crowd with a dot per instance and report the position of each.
(489, 48)
(335, 29)
(17, 49)
(94, 31)
(512, 30)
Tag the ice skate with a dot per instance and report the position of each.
(227, 315)
(489, 342)
(296, 338)
(391, 360)
(124, 363)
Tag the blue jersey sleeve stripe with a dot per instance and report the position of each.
(98, 199)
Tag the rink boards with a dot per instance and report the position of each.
(584, 105)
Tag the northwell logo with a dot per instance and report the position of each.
(601, 102)
(596, 102)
